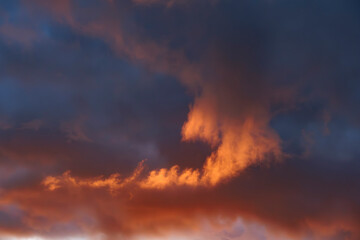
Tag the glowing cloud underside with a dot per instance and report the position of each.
(237, 144)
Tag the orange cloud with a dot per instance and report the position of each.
(239, 145)
(113, 182)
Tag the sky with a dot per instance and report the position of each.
(179, 119)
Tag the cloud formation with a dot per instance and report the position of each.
(151, 119)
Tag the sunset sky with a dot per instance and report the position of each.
(179, 119)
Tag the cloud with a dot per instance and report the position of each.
(228, 102)
(258, 194)
(4, 125)
(74, 130)
(14, 34)
(34, 124)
